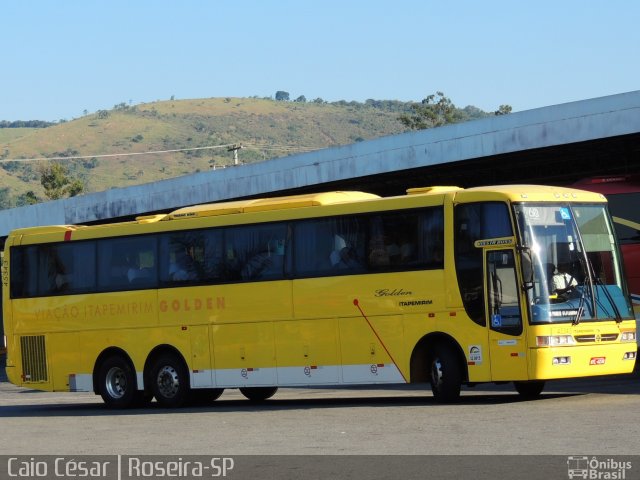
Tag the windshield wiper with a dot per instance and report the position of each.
(607, 294)
(587, 287)
(588, 281)
(580, 311)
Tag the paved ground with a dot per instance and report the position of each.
(595, 416)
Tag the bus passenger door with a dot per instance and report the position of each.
(507, 342)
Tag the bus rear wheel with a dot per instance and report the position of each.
(169, 381)
(445, 375)
(531, 389)
(258, 394)
(142, 399)
(117, 382)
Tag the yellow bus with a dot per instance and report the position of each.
(442, 285)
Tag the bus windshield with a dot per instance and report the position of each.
(575, 263)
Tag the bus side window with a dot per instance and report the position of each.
(54, 274)
(432, 236)
(181, 257)
(24, 274)
(67, 268)
(141, 268)
(213, 256)
(393, 240)
(256, 253)
(80, 260)
(332, 246)
(409, 240)
(37, 271)
(349, 254)
(127, 263)
(313, 247)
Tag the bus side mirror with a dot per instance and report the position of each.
(527, 268)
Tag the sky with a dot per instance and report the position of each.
(61, 58)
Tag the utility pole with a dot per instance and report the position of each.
(234, 148)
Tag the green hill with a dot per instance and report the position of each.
(265, 128)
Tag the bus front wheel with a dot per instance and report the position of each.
(169, 381)
(258, 394)
(445, 374)
(117, 382)
(530, 389)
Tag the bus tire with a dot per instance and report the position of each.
(117, 383)
(445, 374)
(258, 394)
(531, 389)
(142, 399)
(204, 396)
(169, 381)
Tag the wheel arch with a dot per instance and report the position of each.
(419, 369)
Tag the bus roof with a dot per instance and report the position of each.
(534, 193)
(273, 203)
(514, 193)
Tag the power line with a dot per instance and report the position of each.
(275, 146)
(107, 155)
(253, 146)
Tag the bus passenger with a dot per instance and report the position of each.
(345, 258)
(136, 273)
(182, 268)
(379, 255)
(58, 276)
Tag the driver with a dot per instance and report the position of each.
(562, 281)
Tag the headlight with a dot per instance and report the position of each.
(554, 340)
(629, 336)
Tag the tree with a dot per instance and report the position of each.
(28, 198)
(5, 198)
(503, 110)
(434, 111)
(57, 183)
(301, 99)
(282, 96)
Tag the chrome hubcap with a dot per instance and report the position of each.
(168, 381)
(116, 382)
(436, 372)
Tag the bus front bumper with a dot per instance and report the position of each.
(582, 361)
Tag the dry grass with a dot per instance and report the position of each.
(265, 127)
